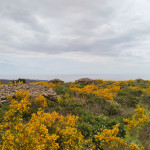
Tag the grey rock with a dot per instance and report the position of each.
(56, 81)
(35, 89)
(84, 80)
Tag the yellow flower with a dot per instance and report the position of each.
(41, 100)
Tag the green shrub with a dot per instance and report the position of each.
(128, 100)
(61, 90)
(86, 129)
(146, 99)
(89, 123)
(113, 107)
(3, 109)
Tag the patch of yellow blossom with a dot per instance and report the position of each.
(17, 82)
(1, 84)
(10, 83)
(66, 97)
(42, 131)
(72, 85)
(106, 93)
(85, 89)
(109, 92)
(138, 118)
(146, 91)
(126, 82)
(17, 108)
(33, 135)
(10, 97)
(59, 99)
(134, 146)
(22, 94)
(100, 81)
(41, 100)
(133, 87)
(48, 84)
(89, 89)
(108, 139)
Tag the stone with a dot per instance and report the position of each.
(84, 80)
(35, 89)
(56, 81)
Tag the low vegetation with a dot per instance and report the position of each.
(100, 115)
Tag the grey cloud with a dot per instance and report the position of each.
(109, 27)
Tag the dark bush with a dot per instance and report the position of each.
(128, 100)
(20, 80)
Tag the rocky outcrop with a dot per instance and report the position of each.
(35, 90)
(56, 81)
(84, 80)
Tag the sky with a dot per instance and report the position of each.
(64, 37)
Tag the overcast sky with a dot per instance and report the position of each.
(47, 37)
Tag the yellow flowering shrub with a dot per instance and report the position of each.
(43, 131)
(146, 91)
(133, 87)
(41, 101)
(108, 139)
(134, 125)
(71, 85)
(109, 92)
(48, 84)
(100, 81)
(67, 95)
(49, 131)
(76, 89)
(106, 93)
(27, 136)
(138, 119)
(10, 83)
(87, 89)
(22, 94)
(66, 98)
(59, 99)
(17, 82)
(10, 97)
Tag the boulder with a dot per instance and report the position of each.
(35, 89)
(56, 81)
(84, 80)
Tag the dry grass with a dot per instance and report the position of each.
(145, 137)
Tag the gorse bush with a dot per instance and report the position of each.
(108, 139)
(43, 131)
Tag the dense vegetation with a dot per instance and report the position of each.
(99, 115)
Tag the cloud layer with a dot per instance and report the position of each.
(86, 31)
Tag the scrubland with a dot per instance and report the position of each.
(101, 115)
